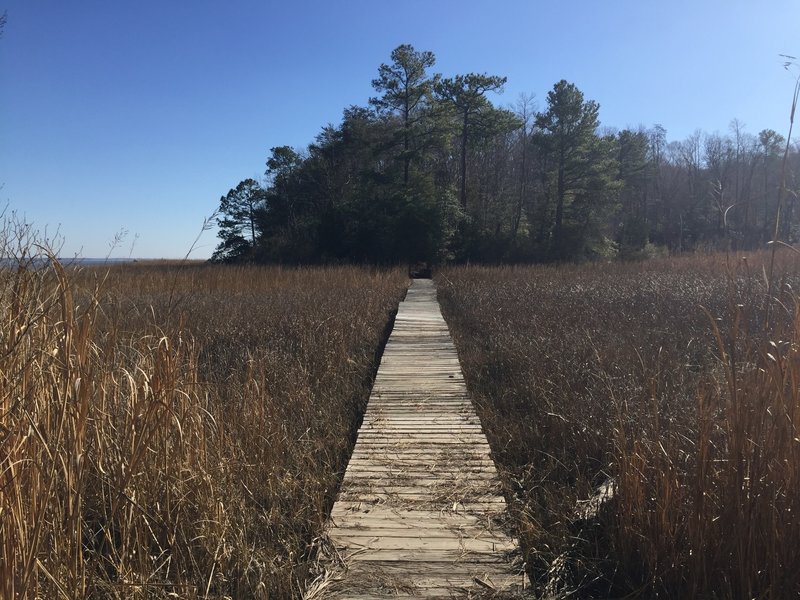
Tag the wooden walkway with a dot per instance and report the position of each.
(420, 510)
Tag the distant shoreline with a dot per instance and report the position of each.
(76, 261)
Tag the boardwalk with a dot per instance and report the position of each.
(420, 509)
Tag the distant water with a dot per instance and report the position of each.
(91, 262)
(75, 261)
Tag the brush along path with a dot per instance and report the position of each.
(420, 507)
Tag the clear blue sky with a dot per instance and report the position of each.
(122, 115)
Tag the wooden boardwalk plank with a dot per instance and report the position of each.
(420, 512)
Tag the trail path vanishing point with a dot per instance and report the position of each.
(420, 507)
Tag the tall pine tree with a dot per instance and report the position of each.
(579, 171)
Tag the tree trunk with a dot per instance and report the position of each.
(252, 224)
(463, 195)
(406, 141)
(560, 192)
(522, 181)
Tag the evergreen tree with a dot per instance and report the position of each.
(239, 213)
(635, 171)
(406, 90)
(578, 170)
(466, 95)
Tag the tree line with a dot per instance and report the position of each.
(432, 171)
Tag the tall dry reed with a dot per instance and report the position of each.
(655, 381)
(176, 431)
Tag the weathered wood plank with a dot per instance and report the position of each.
(417, 477)
(420, 511)
(382, 513)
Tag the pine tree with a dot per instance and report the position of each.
(239, 215)
(579, 170)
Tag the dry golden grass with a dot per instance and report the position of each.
(177, 431)
(667, 381)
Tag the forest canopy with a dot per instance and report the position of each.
(431, 170)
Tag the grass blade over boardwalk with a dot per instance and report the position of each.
(420, 507)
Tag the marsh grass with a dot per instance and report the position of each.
(176, 430)
(662, 381)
